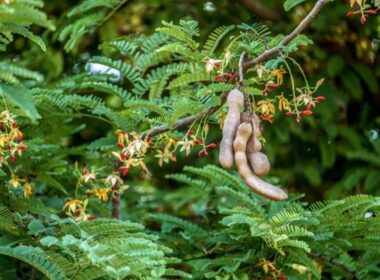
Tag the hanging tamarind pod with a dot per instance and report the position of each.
(259, 161)
(255, 183)
(235, 101)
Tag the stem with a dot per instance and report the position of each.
(334, 262)
(293, 88)
(115, 201)
(301, 71)
(301, 27)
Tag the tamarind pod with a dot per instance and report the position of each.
(235, 101)
(254, 144)
(255, 183)
(259, 163)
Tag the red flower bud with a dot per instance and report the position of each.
(14, 125)
(290, 113)
(202, 153)
(307, 112)
(191, 132)
(217, 64)
(90, 218)
(363, 19)
(308, 106)
(124, 171)
(319, 98)
(350, 14)
(298, 118)
(120, 145)
(123, 156)
(77, 212)
(372, 12)
(274, 85)
(212, 145)
(199, 142)
(13, 158)
(148, 139)
(230, 76)
(266, 91)
(21, 147)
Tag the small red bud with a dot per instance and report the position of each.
(308, 106)
(319, 98)
(148, 139)
(123, 156)
(229, 75)
(307, 112)
(212, 145)
(77, 212)
(90, 218)
(363, 20)
(298, 118)
(372, 12)
(274, 85)
(13, 158)
(290, 113)
(120, 145)
(14, 125)
(350, 14)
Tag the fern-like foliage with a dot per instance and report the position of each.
(17, 16)
(251, 227)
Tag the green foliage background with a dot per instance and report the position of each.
(204, 224)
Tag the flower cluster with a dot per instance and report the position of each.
(16, 182)
(102, 187)
(133, 152)
(11, 138)
(364, 10)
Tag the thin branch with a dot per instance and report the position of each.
(264, 56)
(335, 262)
(260, 10)
(298, 30)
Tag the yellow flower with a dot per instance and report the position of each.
(101, 193)
(283, 104)
(279, 74)
(28, 188)
(165, 156)
(15, 182)
(266, 107)
(72, 205)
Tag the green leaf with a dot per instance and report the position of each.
(289, 4)
(18, 95)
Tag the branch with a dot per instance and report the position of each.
(260, 10)
(334, 262)
(264, 56)
(301, 27)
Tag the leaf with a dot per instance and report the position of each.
(20, 98)
(289, 4)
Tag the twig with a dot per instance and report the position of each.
(301, 27)
(334, 262)
(115, 205)
(260, 10)
(264, 56)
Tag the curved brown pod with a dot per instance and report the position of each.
(235, 101)
(255, 183)
(259, 163)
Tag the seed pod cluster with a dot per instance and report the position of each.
(241, 145)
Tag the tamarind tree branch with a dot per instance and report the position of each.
(334, 262)
(298, 30)
(264, 56)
